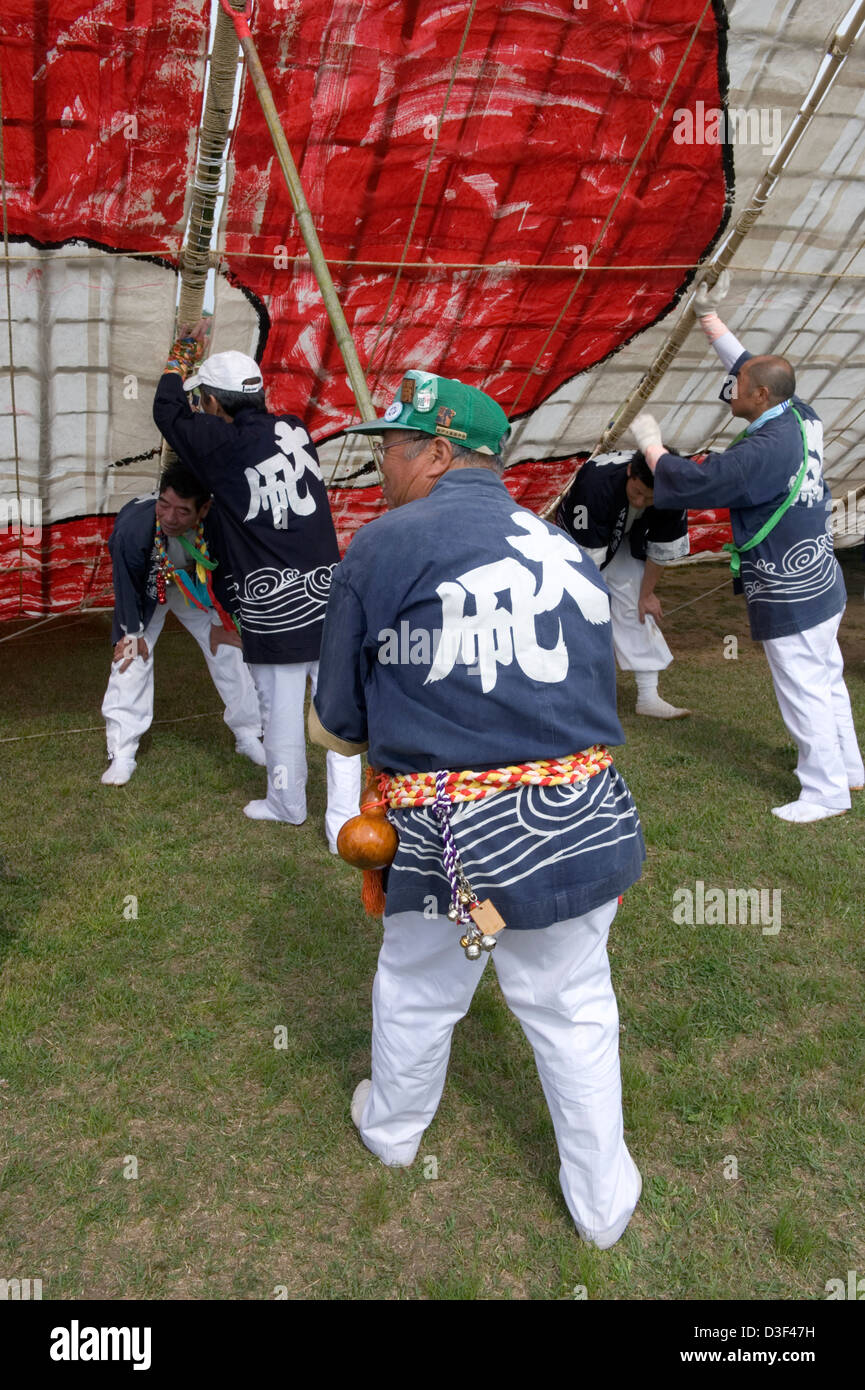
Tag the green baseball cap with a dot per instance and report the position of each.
(438, 406)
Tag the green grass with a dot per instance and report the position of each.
(152, 1036)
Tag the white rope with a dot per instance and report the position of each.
(668, 613)
(488, 267)
(403, 262)
(100, 728)
(838, 49)
(52, 617)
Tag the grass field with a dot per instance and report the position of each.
(151, 1037)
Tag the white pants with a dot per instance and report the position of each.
(281, 693)
(557, 982)
(638, 646)
(808, 675)
(128, 704)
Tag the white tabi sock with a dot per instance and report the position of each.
(261, 810)
(252, 748)
(118, 773)
(649, 701)
(359, 1100)
(803, 812)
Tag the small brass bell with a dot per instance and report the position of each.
(453, 914)
(465, 941)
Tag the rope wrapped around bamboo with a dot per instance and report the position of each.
(213, 137)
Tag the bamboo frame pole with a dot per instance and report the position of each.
(341, 332)
(837, 50)
(195, 261)
(195, 257)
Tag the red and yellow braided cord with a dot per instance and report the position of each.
(419, 788)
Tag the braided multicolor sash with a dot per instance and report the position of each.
(419, 788)
(197, 589)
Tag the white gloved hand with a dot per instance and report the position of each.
(646, 432)
(707, 298)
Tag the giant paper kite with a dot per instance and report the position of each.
(515, 195)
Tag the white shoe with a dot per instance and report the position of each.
(118, 773)
(260, 810)
(803, 812)
(609, 1238)
(358, 1105)
(253, 749)
(358, 1101)
(656, 708)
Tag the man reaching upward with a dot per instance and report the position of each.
(771, 478)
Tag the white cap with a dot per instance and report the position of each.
(227, 371)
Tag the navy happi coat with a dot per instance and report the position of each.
(132, 546)
(271, 503)
(791, 580)
(600, 490)
(464, 632)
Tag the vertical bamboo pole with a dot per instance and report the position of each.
(345, 342)
(195, 257)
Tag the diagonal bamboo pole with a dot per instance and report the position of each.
(344, 340)
(838, 48)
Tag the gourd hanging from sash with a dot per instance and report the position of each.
(369, 841)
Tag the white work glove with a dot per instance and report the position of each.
(646, 432)
(707, 298)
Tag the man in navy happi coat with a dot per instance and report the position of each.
(463, 632)
(610, 511)
(177, 520)
(791, 580)
(281, 547)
